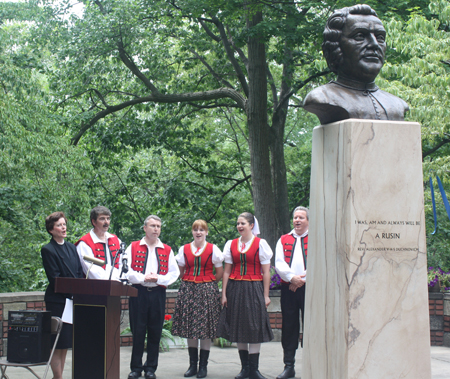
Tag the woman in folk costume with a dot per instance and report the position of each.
(245, 295)
(198, 303)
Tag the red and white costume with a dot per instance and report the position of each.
(92, 246)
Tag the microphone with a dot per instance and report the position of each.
(94, 261)
(124, 260)
(118, 252)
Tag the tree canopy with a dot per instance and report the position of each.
(188, 109)
(40, 170)
(418, 70)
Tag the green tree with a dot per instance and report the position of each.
(182, 57)
(418, 70)
(187, 109)
(40, 171)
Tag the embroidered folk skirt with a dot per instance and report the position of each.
(245, 317)
(196, 310)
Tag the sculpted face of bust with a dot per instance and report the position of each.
(354, 46)
(363, 47)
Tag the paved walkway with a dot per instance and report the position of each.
(224, 363)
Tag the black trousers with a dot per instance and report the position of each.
(291, 305)
(146, 318)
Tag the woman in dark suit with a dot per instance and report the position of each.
(60, 259)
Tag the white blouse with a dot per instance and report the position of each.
(217, 256)
(265, 252)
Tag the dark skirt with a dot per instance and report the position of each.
(245, 317)
(196, 310)
(66, 336)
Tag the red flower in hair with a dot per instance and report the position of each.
(167, 317)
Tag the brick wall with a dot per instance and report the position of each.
(436, 307)
(447, 319)
(439, 306)
(171, 297)
(447, 331)
(3, 331)
(274, 311)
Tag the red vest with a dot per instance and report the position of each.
(199, 269)
(139, 257)
(288, 242)
(98, 248)
(246, 266)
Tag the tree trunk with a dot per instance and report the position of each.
(263, 199)
(277, 149)
(279, 172)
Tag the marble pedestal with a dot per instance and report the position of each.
(366, 295)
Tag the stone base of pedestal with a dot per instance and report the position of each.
(367, 297)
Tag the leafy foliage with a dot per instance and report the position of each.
(39, 170)
(418, 71)
(438, 244)
(149, 74)
(142, 106)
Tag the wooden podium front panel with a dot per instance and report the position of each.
(89, 341)
(95, 349)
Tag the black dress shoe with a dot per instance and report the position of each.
(134, 375)
(149, 375)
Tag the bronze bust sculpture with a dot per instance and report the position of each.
(354, 47)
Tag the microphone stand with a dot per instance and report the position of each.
(124, 264)
(118, 252)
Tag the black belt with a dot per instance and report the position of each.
(149, 289)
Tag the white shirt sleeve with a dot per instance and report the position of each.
(265, 252)
(228, 258)
(180, 257)
(133, 277)
(217, 257)
(96, 272)
(173, 273)
(281, 266)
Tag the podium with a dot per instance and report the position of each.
(96, 325)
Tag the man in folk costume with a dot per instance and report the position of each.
(98, 243)
(290, 263)
(152, 269)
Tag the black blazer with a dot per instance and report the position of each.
(57, 263)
